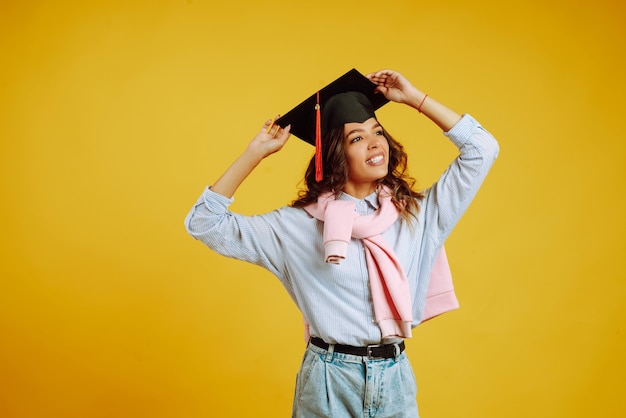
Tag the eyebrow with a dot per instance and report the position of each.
(378, 125)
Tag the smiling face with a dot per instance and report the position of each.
(367, 154)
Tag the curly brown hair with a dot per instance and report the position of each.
(335, 175)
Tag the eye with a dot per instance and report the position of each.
(380, 132)
(356, 139)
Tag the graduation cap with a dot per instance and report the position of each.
(350, 98)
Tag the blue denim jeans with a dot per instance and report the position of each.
(339, 385)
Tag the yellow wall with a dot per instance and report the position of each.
(115, 114)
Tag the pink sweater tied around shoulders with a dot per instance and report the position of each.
(389, 285)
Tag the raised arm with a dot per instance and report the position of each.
(450, 196)
(398, 89)
(266, 142)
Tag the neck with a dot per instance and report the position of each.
(360, 191)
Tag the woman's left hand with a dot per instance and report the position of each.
(394, 86)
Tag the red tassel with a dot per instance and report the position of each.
(319, 172)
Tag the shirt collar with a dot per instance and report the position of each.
(371, 199)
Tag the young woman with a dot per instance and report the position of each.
(358, 250)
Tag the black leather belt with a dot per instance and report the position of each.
(370, 351)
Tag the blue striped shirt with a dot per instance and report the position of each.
(336, 299)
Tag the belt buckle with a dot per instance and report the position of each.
(369, 351)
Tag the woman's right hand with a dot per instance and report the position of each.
(270, 139)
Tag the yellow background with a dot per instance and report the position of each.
(115, 114)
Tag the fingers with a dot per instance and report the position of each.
(275, 131)
(269, 124)
(384, 80)
(284, 134)
(270, 139)
(278, 139)
(380, 77)
(270, 127)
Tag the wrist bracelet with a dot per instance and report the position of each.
(419, 108)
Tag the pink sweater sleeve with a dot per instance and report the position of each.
(440, 297)
(338, 229)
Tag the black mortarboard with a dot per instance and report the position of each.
(350, 98)
(302, 117)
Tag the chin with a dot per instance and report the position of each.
(383, 174)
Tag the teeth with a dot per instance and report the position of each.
(375, 160)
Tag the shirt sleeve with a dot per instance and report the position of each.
(450, 196)
(255, 239)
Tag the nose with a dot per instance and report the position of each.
(374, 142)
